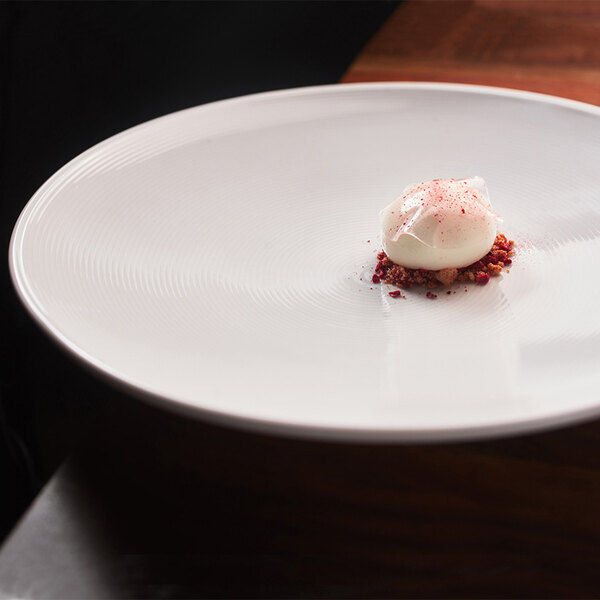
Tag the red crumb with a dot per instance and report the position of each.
(431, 295)
(395, 293)
(479, 272)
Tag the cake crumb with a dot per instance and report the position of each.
(479, 272)
(446, 276)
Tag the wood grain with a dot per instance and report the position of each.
(543, 46)
(180, 509)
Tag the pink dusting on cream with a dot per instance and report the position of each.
(439, 199)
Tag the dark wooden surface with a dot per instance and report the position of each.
(176, 508)
(549, 46)
(182, 509)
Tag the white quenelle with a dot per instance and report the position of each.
(440, 224)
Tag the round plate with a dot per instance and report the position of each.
(218, 261)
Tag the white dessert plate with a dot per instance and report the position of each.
(217, 261)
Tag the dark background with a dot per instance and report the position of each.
(72, 74)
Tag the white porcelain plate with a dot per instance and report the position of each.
(218, 260)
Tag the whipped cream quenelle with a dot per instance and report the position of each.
(439, 224)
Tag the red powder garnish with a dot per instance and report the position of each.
(479, 272)
(431, 295)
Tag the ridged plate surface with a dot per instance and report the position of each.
(218, 261)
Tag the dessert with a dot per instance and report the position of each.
(444, 223)
(439, 232)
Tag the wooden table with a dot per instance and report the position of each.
(155, 505)
(543, 46)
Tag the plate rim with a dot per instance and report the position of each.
(291, 428)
